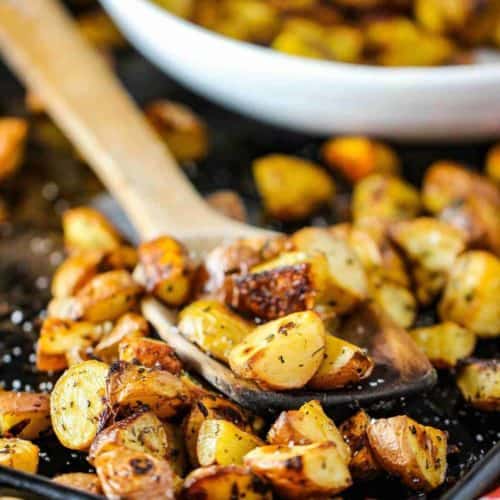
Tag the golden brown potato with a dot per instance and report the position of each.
(87, 229)
(413, 452)
(149, 353)
(445, 343)
(13, 134)
(363, 464)
(220, 442)
(19, 454)
(344, 43)
(99, 30)
(122, 257)
(301, 471)
(471, 294)
(24, 414)
(307, 425)
(290, 187)
(78, 408)
(182, 8)
(108, 295)
(493, 163)
(444, 17)
(50, 362)
(282, 354)
(213, 327)
(357, 157)
(479, 382)
(167, 270)
(64, 308)
(130, 387)
(134, 475)
(225, 483)
(183, 131)
(228, 203)
(343, 363)
(80, 481)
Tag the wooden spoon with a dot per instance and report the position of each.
(82, 95)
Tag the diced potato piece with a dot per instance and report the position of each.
(293, 43)
(343, 364)
(183, 131)
(219, 482)
(444, 344)
(357, 157)
(301, 471)
(13, 133)
(167, 269)
(493, 163)
(134, 475)
(471, 294)
(24, 414)
(444, 17)
(383, 32)
(87, 229)
(149, 353)
(344, 43)
(50, 362)
(64, 308)
(130, 387)
(282, 354)
(307, 425)
(83, 481)
(228, 203)
(99, 30)
(414, 452)
(122, 257)
(19, 454)
(108, 295)
(363, 464)
(78, 407)
(346, 279)
(220, 442)
(479, 382)
(213, 327)
(290, 187)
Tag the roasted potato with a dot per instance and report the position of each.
(130, 387)
(225, 483)
(122, 257)
(445, 343)
(182, 8)
(301, 471)
(50, 362)
(213, 327)
(167, 269)
(290, 187)
(99, 30)
(307, 425)
(134, 475)
(78, 407)
(220, 442)
(444, 17)
(228, 203)
(471, 294)
(493, 163)
(13, 134)
(24, 415)
(19, 454)
(479, 382)
(363, 464)
(87, 229)
(65, 308)
(108, 295)
(413, 452)
(282, 354)
(343, 363)
(80, 481)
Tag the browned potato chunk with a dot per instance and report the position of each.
(471, 295)
(301, 471)
(87, 229)
(307, 425)
(493, 163)
(213, 327)
(122, 257)
(78, 407)
(363, 464)
(220, 442)
(228, 203)
(130, 387)
(290, 187)
(219, 482)
(64, 308)
(479, 382)
(50, 362)
(167, 270)
(343, 363)
(282, 354)
(24, 414)
(80, 481)
(134, 475)
(19, 454)
(99, 30)
(445, 344)
(414, 452)
(183, 131)
(13, 133)
(108, 295)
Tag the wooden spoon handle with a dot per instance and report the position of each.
(83, 96)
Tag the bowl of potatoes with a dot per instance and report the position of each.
(409, 70)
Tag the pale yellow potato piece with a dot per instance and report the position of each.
(19, 454)
(479, 382)
(64, 308)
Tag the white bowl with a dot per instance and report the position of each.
(454, 102)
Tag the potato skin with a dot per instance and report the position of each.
(19, 454)
(80, 481)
